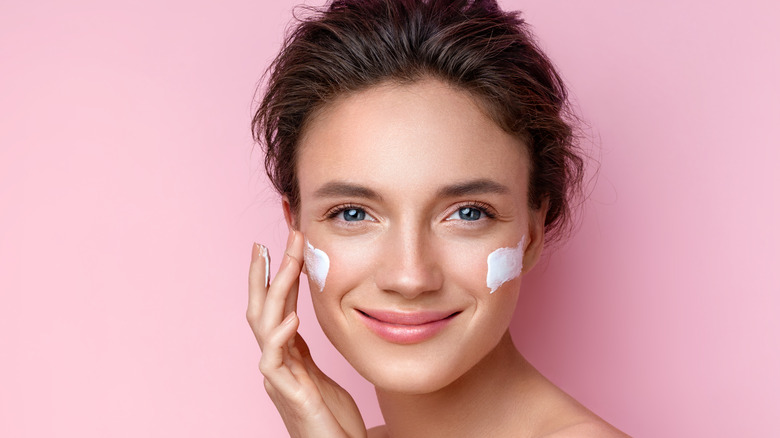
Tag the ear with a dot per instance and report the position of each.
(536, 236)
(291, 220)
(288, 214)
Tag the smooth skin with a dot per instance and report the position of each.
(408, 188)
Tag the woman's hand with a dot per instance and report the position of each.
(311, 404)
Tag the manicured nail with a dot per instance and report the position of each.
(256, 251)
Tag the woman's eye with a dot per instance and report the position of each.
(467, 214)
(348, 213)
(353, 214)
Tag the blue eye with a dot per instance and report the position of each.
(473, 212)
(469, 214)
(348, 213)
(353, 214)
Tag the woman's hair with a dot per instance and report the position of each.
(352, 45)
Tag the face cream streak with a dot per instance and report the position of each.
(317, 264)
(505, 264)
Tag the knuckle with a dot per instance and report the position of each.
(252, 315)
(264, 367)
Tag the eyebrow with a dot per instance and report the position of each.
(473, 187)
(336, 189)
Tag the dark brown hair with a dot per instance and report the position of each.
(351, 45)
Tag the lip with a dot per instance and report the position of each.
(405, 327)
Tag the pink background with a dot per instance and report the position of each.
(130, 195)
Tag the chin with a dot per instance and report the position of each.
(409, 369)
(408, 378)
(421, 368)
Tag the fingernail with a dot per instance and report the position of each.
(290, 238)
(256, 251)
(290, 318)
(267, 266)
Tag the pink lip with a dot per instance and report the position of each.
(405, 328)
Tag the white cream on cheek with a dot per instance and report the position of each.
(505, 264)
(317, 264)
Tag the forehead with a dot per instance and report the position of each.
(410, 137)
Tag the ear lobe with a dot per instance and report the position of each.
(536, 236)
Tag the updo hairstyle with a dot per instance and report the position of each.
(352, 45)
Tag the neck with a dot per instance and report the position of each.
(477, 404)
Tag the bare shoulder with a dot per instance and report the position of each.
(588, 429)
(377, 432)
(585, 429)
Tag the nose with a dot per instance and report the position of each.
(410, 265)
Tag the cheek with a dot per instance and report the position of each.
(349, 264)
(317, 264)
(343, 266)
(504, 264)
(464, 266)
(483, 269)
(351, 267)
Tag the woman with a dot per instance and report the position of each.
(423, 155)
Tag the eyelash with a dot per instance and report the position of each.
(337, 210)
(486, 209)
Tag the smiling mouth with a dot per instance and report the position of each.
(405, 328)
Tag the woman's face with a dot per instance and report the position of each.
(405, 191)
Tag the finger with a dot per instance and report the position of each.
(258, 271)
(300, 355)
(297, 367)
(272, 363)
(284, 282)
(291, 303)
(301, 347)
(297, 348)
